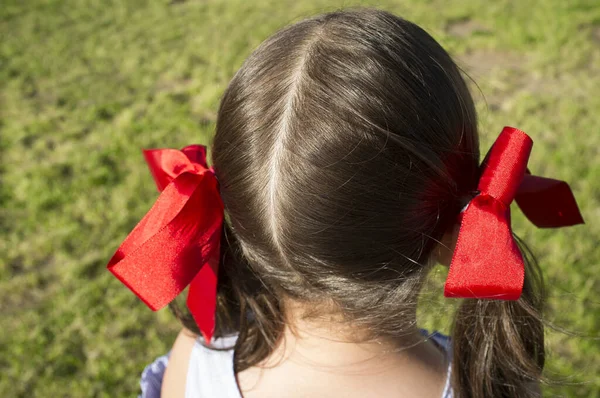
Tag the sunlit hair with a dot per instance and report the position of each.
(345, 147)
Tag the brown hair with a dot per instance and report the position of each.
(345, 147)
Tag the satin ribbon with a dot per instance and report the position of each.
(177, 243)
(487, 263)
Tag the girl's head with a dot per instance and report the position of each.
(345, 147)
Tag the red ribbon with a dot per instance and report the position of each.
(487, 262)
(177, 243)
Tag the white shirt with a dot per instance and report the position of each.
(211, 375)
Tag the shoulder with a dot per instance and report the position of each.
(211, 371)
(174, 381)
(445, 344)
(199, 371)
(442, 341)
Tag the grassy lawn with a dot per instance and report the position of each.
(85, 85)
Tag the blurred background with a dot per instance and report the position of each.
(85, 85)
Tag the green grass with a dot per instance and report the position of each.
(85, 85)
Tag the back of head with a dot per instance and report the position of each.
(346, 146)
(343, 147)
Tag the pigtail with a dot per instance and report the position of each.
(245, 306)
(498, 346)
(228, 306)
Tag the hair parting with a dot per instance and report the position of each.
(345, 147)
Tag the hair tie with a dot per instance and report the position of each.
(177, 242)
(487, 263)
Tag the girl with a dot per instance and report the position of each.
(346, 159)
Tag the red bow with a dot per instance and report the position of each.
(177, 243)
(487, 262)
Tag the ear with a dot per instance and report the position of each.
(443, 251)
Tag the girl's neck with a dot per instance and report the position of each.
(328, 351)
(328, 342)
